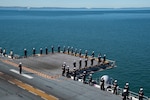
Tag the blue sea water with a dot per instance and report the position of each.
(123, 35)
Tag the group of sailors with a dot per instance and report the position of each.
(3, 52)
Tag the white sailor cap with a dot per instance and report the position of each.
(20, 63)
(64, 62)
(84, 71)
(141, 89)
(74, 68)
(67, 66)
(80, 59)
(104, 54)
(127, 83)
(90, 74)
(25, 49)
(115, 81)
(93, 52)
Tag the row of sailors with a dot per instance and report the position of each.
(125, 93)
(3, 51)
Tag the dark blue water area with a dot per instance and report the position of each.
(123, 35)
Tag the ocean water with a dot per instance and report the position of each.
(123, 35)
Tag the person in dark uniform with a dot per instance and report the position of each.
(141, 94)
(75, 52)
(124, 94)
(1, 51)
(127, 89)
(58, 48)
(104, 58)
(71, 50)
(67, 72)
(90, 79)
(86, 53)
(63, 68)
(46, 50)
(93, 54)
(86, 60)
(64, 49)
(102, 84)
(25, 53)
(11, 54)
(4, 52)
(84, 76)
(34, 51)
(68, 49)
(99, 58)
(52, 49)
(74, 63)
(20, 67)
(41, 51)
(115, 85)
(74, 73)
(92, 60)
(80, 51)
(80, 63)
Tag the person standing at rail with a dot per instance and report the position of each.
(34, 51)
(71, 50)
(68, 49)
(80, 63)
(102, 84)
(86, 53)
(104, 58)
(41, 51)
(127, 89)
(25, 53)
(80, 51)
(52, 47)
(86, 61)
(4, 52)
(75, 52)
(64, 49)
(11, 54)
(63, 68)
(141, 94)
(115, 85)
(124, 94)
(93, 54)
(1, 51)
(99, 58)
(20, 67)
(58, 48)
(46, 50)
(92, 61)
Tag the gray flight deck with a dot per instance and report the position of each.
(61, 87)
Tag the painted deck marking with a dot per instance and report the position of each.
(27, 87)
(25, 75)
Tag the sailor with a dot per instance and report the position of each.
(92, 60)
(11, 54)
(141, 94)
(75, 52)
(90, 79)
(34, 51)
(104, 58)
(20, 67)
(58, 48)
(115, 85)
(99, 58)
(63, 68)
(80, 51)
(1, 51)
(25, 53)
(86, 60)
(4, 52)
(86, 53)
(67, 72)
(74, 63)
(52, 48)
(64, 49)
(80, 63)
(84, 76)
(74, 73)
(127, 89)
(124, 94)
(46, 50)
(71, 50)
(41, 51)
(93, 54)
(68, 49)
(102, 84)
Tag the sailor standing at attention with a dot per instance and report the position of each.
(80, 63)
(41, 51)
(124, 94)
(115, 85)
(20, 67)
(52, 48)
(141, 94)
(64, 49)
(25, 53)
(11, 54)
(90, 79)
(102, 83)
(58, 48)
(84, 76)
(34, 51)
(63, 68)
(74, 63)
(46, 50)
(74, 73)
(67, 72)
(86, 60)
(93, 54)
(127, 89)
